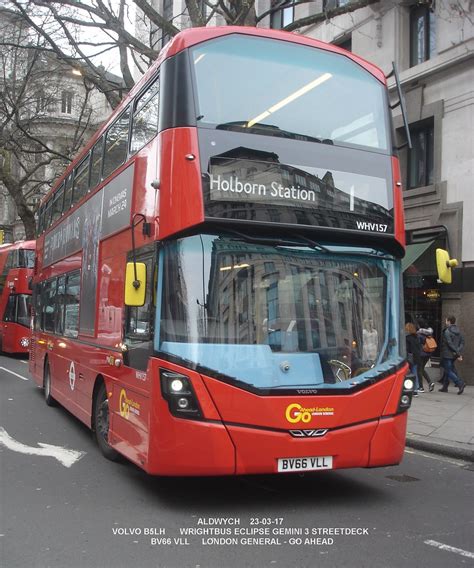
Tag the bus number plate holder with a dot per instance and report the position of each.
(304, 464)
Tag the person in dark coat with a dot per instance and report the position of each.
(414, 354)
(452, 345)
(423, 332)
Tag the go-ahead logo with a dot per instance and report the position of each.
(127, 405)
(296, 413)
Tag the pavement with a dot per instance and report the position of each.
(443, 423)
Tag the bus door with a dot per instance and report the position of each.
(6, 332)
(15, 323)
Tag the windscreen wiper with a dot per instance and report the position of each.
(275, 241)
(271, 130)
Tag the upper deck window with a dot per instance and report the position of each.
(116, 143)
(282, 89)
(145, 118)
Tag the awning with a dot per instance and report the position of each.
(413, 252)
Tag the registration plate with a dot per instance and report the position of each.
(304, 464)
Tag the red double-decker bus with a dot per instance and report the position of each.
(218, 286)
(16, 271)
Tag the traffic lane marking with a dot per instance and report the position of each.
(64, 456)
(13, 373)
(448, 548)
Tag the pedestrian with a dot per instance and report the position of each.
(413, 354)
(370, 342)
(452, 346)
(428, 346)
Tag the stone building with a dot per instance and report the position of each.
(433, 48)
(59, 108)
(432, 45)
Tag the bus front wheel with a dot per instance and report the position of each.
(101, 424)
(47, 386)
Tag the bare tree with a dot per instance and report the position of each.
(30, 156)
(81, 34)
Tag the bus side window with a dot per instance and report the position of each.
(6, 268)
(59, 312)
(71, 304)
(39, 221)
(68, 194)
(58, 203)
(47, 214)
(96, 163)
(10, 308)
(37, 307)
(145, 118)
(116, 143)
(49, 305)
(139, 323)
(81, 180)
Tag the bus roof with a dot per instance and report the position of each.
(193, 36)
(28, 245)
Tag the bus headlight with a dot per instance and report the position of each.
(407, 393)
(176, 385)
(24, 342)
(178, 392)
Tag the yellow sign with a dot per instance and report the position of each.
(444, 264)
(2, 236)
(432, 294)
(127, 405)
(296, 413)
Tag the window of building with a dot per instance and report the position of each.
(41, 102)
(420, 157)
(66, 102)
(282, 17)
(145, 118)
(422, 35)
(332, 4)
(116, 143)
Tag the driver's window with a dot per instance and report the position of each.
(139, 320)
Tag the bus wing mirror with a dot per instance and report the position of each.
(135, 284)
(444, 264)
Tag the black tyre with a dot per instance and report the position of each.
(101, 425)
(50, 401)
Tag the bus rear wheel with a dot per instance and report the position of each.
(101, 424)
(47, 386)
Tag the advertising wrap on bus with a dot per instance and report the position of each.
(110, 208)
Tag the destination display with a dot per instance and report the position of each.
(296, 194)
(268, 180)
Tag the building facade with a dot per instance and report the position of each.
(432, 46)
(57, 112)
